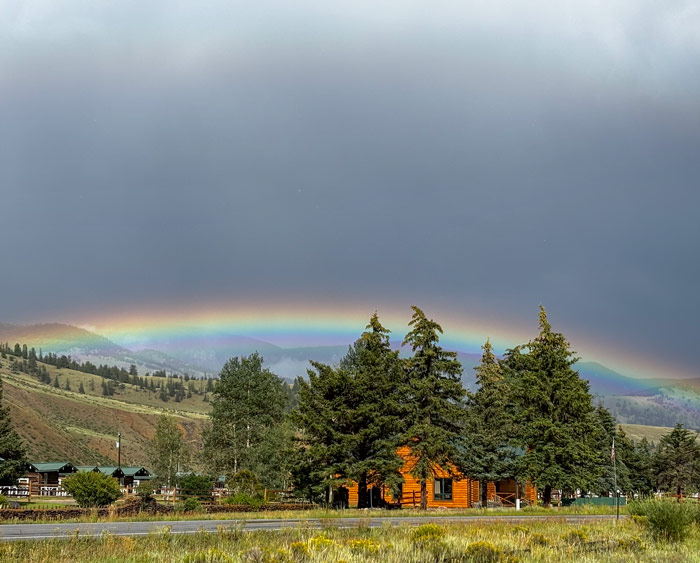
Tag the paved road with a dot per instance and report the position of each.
(95, 529)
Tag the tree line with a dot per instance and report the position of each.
(173, 386)
(531, 418)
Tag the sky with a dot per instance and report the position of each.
(474, 158)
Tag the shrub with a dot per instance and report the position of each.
(667, 520)
(538, 540)
(245, 482)
(366, 546)
(145, 492)
(575, 537)
(3, 500)
(244, 500)
(427, 532)
(483, 552)
(91, 488)
(195, 485)
(191, 504)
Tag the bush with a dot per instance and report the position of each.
(244, 482)
(91, 488)
(427, 532)
(145, 492)
(668, 520)
(195, 486)
(3, 500)
(484, 552)
(243, 499)
(191, 504)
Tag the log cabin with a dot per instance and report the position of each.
(444, 491)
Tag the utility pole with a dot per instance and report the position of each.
(119, 450)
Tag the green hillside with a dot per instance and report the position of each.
(62, 425)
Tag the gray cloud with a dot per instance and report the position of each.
(479, 157)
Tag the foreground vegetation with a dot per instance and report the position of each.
(479, 542)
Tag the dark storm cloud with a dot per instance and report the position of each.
(481, 159)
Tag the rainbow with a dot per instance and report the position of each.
(320, 324)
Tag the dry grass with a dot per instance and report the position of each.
(545, 541)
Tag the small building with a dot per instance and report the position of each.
(445, 490)
(46, 478)
(135, 475)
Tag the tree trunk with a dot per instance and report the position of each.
(362, 492)
(679, 493)
(547, 496)
(484, 486)
(424, 495)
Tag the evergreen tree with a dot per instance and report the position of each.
(642, 477)
(677, 461)
(55, 382)
(558, 427)
(489, 452)
(81, 389)
(67, 387)
(434, 396)
(248, 400)
(624, 452)
(367, 412)
(167, 451)
(12, 450)
(323, 424)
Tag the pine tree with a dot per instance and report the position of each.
(372, 408)
(558, 427)
(433, 395)
(12, 450)
(67, 387)
(617, 474)
(81, 389)
(677, 461)
(489, 452)
(323, 425)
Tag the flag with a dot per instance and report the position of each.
(117, 445)
(612, 451)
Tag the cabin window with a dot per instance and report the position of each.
(442, 489)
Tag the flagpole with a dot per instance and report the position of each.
(617, 493)
(119, 449)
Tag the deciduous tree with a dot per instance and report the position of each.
(167, 451)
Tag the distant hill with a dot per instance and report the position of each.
(61, 425)
(84, 345)
(658, 402)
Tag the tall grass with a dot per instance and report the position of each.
(544, 541)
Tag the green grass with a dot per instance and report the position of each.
(334, 515)
(543, 541)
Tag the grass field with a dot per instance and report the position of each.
(544, 541)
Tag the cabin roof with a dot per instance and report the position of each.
(52, 466)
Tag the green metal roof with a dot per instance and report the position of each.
(50, 467)
(112, 470)
(86, 467)
(131, 471)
